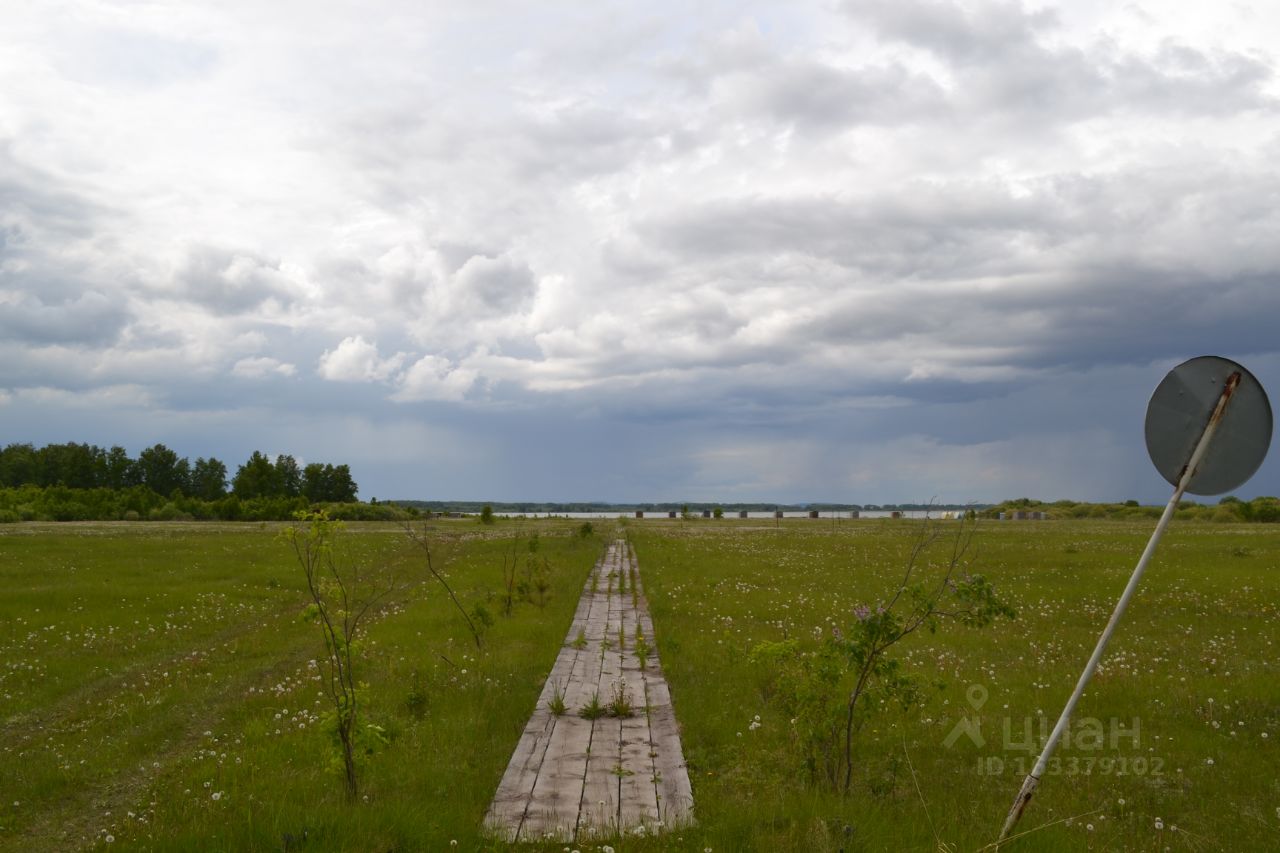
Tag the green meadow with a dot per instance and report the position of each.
(159, 687)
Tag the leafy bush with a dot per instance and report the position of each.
(366, 512)
(833, 690)
(168, 512)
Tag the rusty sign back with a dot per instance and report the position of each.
(1180, 409)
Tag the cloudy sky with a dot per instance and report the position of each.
(867, 251)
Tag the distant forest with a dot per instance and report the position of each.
(83, 482)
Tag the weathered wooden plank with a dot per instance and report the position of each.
(638, 797)
(557, 792)
(598, 816)
(675, 794)
(507, 811)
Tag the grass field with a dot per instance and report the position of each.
(157, 689)
(1195, 664)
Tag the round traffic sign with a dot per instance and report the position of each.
(1180, 410)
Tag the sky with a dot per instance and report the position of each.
(865, 251)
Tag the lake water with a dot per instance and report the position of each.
(730, 514)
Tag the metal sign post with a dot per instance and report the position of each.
(1175, 418)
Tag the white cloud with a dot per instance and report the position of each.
(434, 378)
(107, 396)
(492, 286)
(259, 368)
(357, 360)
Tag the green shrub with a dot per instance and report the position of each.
(168, 512)
(366, 512)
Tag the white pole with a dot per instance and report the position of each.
(1033, 778)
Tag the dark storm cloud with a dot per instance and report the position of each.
(50, 290)
(91, 320)
(1127, 315)
(973, 290)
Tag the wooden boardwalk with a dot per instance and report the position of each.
(574, 778)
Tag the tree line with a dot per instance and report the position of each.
(83, 481)
(87, 466)
(1264, 509)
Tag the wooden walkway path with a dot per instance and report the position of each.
(574, 778)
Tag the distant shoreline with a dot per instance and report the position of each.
(513, 507)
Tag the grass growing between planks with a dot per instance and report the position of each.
(159, 689)
(156, 688)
